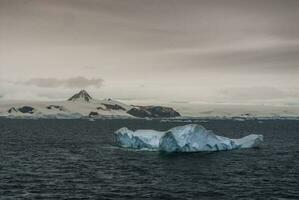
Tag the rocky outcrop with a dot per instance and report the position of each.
(82, 95)
(153, 112)
(50, 107)
(137, 112)
(26, 109)
(12, 110)
(93, 114)
(113, 107)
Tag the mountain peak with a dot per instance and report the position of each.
(81, 96)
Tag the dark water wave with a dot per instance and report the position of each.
(63, 159)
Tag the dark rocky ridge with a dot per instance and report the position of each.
(136, 112)
(26, 109)
(113, 107)
(13, 109)
(61, 108)
(153, 112)
(81, 95)
(93, 114)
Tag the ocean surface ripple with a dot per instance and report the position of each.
(77, 159)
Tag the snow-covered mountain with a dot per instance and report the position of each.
(82, 105)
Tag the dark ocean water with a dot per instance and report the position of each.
(76, 159)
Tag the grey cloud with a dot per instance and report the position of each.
(180, 102)
(76, 82)
(274, 58)
(152, 26)
(136, 40)
(255, 93)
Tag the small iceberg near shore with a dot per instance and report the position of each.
(188, 138)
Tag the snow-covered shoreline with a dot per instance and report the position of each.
(81, 105)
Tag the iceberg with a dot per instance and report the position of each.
(188, 138)
(140, 139)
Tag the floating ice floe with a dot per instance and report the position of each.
(188, 138)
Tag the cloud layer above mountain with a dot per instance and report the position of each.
(76, 82)
(168, 49)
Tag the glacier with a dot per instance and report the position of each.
(188, 138)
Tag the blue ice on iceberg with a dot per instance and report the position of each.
(188, 138)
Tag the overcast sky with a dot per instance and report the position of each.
(151, 50)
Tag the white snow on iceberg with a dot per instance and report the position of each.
(140, 139)
(188, 138)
